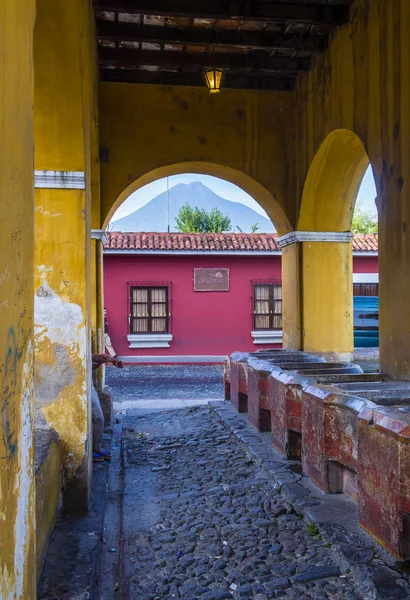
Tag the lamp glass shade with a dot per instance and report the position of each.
(213, 78)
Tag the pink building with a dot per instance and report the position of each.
(198, 297)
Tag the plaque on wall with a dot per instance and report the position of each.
(211, 280)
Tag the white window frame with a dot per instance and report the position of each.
(152, 340)
(273, 336)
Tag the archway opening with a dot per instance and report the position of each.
(200, 295)
(340, 280)
(246, 183)
(332, 183)
(157, 206)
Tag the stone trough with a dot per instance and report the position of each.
(350, 430)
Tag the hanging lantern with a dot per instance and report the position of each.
(213, 78)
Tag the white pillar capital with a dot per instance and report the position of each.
(314, 236)
(60, 180)
(99, 234)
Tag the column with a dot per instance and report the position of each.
(320, 271)
(64, 111)
(291, 296)
(17, 493)
(98, 237)
(61, 262)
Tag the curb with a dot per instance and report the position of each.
(374, 571)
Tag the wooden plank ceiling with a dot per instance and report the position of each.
(260, 44)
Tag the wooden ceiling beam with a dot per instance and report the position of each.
(193, 80)
(196, 36)
(130, 57)
(265, 10)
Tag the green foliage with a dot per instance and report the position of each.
(254, 228)
(364, 221)
(196, 220)
(313, 530)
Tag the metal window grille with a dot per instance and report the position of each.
(267, 304)
(149, 307)
(365, 289)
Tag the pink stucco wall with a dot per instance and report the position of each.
(365, 264)
(202, 323)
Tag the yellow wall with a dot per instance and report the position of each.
(238, 135)
(332, 183)
(362, 84)
(60, 317)
(17, 518)
(97, 308)
(327, 304)
(291, 293)
(48, 496)
(65, 113)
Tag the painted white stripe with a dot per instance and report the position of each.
(314, 236)
(173, 359)
(201, 252)
(219, 252)
(162, 404)
(365, 278)
(63, 180)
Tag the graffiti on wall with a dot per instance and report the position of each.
(9, 390)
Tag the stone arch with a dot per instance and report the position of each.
(247, 183)
(332, 183)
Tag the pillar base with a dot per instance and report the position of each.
(77, 493)
(345, 357)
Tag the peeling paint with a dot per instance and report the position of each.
(24, 485)
(60, 322)
(60, 375)
(47, 212)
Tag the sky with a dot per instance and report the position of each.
(367, 192)
(227, 190)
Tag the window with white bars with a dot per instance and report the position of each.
(149, 310)
(267, 306)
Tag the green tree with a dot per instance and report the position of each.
(254, 228)
(364, 221)
(196, 220)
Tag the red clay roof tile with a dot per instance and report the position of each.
(222, 242)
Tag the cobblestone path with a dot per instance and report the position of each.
(172, 381)
(201, 521)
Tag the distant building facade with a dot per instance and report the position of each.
(198, 297)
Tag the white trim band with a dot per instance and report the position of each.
(267, 337)
(60, 180)
(99, 234)
(365, 278)
(152, 340)
(314, 236)
(174, 359)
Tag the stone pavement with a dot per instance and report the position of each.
(201, 520)
(188, 510)
(150, 382)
